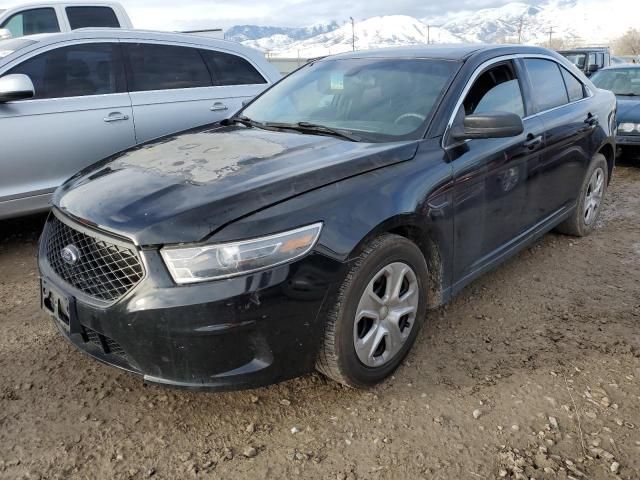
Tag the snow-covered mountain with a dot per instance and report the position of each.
(373, 32)
(574, 21)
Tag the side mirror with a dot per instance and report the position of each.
(593, 68)
(489, 125)
(16, 87)
(5, 34)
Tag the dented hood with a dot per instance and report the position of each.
(183, 188)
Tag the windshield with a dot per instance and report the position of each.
(620, 81)
(578, 59)
(379, 99)
(7, 47)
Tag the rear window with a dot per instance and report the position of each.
(165, 67)
(82, 17)
(575, 89)
(227, 69)
(549, 89)
(31, 22)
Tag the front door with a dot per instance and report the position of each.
(491, 176)
(80, 114)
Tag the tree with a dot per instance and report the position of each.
(628, 44)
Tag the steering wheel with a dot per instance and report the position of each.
(419, 116)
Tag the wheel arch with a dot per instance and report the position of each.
(609, 153)
(428, 241)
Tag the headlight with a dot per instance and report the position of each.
(629, 127)
(210, 262)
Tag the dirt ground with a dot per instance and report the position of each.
(533, 372)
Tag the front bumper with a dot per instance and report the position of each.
(628, 140)
(236, 333)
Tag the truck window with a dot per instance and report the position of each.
(31, 22)
(82, 17)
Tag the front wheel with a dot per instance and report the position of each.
(376, 314)
(591, 197)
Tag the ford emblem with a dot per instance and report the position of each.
(70, 254)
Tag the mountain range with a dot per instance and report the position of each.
(575, 22)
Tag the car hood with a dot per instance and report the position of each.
(628, 109)
(184, 188)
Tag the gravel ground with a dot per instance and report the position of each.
(532, 372)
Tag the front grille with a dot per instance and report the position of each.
(102, 269)
(104, 343)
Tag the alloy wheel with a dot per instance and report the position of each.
(386, 314)
(594, 195)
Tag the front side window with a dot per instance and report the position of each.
(82, 17)
(496, 90)
(75, 71)
(548, 87)
(228, 69)
(31, 22)
(381, 99)
(575, 89)
(165, 67)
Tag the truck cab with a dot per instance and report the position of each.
(589, 60)
(51, 17)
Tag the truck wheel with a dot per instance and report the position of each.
(376, 314)
(591, 197)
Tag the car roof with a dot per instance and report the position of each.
(584, 49)
(453, 52)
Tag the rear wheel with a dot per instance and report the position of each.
(583, 220)
(376, 314)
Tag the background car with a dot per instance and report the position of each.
(60, 16)
(70, 99)
(624, 82)
(315, 228)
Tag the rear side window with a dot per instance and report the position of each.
(82, 17)
(548, 86)
(165, 67)
(227, 69)
(496, 90)
(75, 71)
(575, 89)
(31, 22)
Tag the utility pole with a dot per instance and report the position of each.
(550, 35)
(353, 35)
(520, 27)
(428, 34)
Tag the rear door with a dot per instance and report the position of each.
(176, 87)
(80, 114)
(562, 104)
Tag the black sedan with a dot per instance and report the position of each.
(316, 227)
(624, 82)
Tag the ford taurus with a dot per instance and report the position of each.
(316, 227)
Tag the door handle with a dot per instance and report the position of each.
(116, 117)
(532, 142)
(218, 107)
(592, 120)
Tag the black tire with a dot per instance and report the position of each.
(337, 358)
(576, 224)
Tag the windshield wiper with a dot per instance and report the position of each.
(246, 121)
(308, 127)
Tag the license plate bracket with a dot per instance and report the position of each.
(61, 307)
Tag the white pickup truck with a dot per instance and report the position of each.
(60, 16)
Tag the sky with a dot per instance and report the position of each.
(198, 14)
